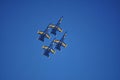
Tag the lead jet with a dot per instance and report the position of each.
(60, 42)
(43, 34)
(48, 49)
(56, 27)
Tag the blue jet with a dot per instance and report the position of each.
(43, 34)
(60, 42)
(56, 27)
(48, 49)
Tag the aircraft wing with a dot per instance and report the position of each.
(52, 51)
(47, 36)
(59, 29)
(64, 45)
(45, 47)
(56, 41)
(52, 26)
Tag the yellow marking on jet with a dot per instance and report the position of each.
(45, 47)
(56, 41)
(64, 45)
(47, 36)
(40, 32)
(59, 29)
(52, 26)
(53, 51)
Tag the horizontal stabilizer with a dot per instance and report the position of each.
(58, 47)
(41, 38)
(46, 54)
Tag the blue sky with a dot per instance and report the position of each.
(93, 39)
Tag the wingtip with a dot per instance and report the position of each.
(65, 34)
(66, 45)
(38, 31)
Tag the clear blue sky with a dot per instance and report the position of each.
(93, 39)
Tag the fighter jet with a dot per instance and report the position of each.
(43, 34)
(60, 42)
(56, 27)
(48, 49)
